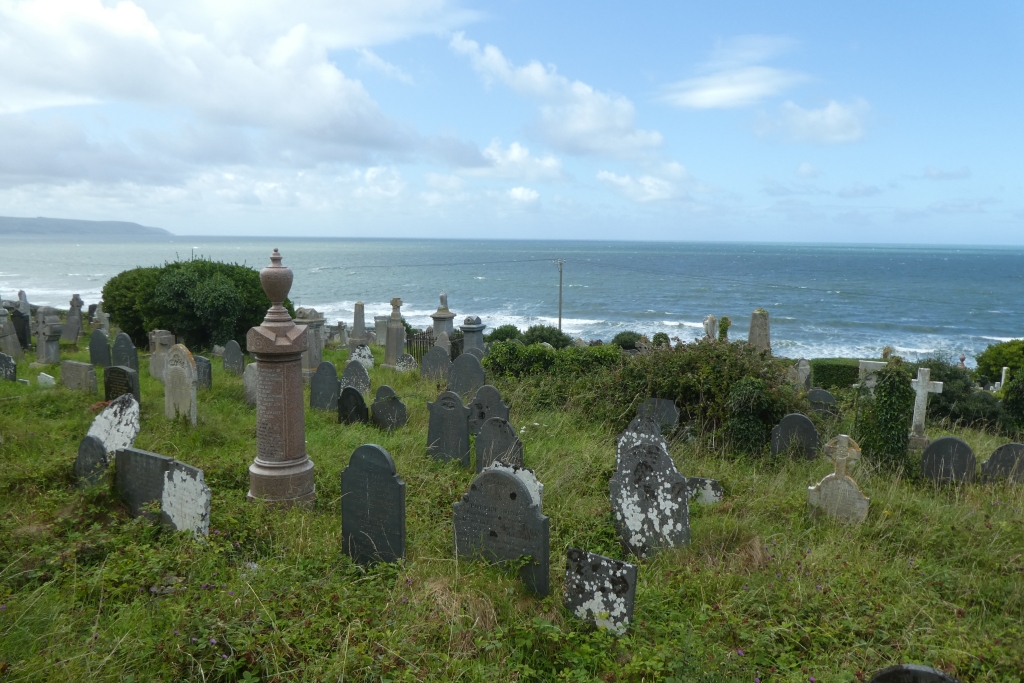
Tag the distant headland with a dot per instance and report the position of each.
(64, 227)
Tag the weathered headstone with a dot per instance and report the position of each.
(795, 428)
(9, 342)
(711, 328)
(406, 363)
(125, 353)
(395, 330)
(78, 376)
(72, 328)
(822, 402)
(352, 407)
(160, 342)
(355, 375)
(388, 411)
(359, 336)
(180, 384)
(473, 333)
(867, 374)
(362, 355)
(118, 424)
(486, 403)
(477, 353)
(922, 387)
(118, 380)
(91, 462)
(466, 375)
(661, 410)
(8, 368)
(948, 459)
(251, 383)
(99, 349)
(21, 316)
(704, 490)
(372, 507)
(600, 590)
(760, 335)
(204, 372)
(234, 361)
(912, 673)
(48, 342)
(324, 388)
(314, 323)
(500, 520)
(45, 380)
(799, 375)
(443, 340)
(1006, 462)
(145, 478)
(497, 441)
(443, 318)
(437, 363)
(837, 495)
(448, 429)
(140, 478)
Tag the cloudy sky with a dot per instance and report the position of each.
(788, 121)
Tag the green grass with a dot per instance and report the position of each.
(935, 575)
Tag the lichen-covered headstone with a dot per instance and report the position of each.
(600, 590)
(99, 349)
(363, 355)
(180, 384)
(406, 363)
(436, 363)
(185, 499)
(448, 429)
(388, 411)
(324, 387)
(234, 361)
(795, 429)
(822, 402)
(837, 495)
(466, 375)
(118, 424)
(91, 462)
(251, 383)
(355, 375)
(1006, 462)
(118, 381)
(486, 403)
(124, 352)
(78, 376)
(912, 673)
(498, 441)
(704, 490)
(204, 372)
(8, 368)
(661, 410)
(948, 459)
(500, 520)
(372, 507)
(45, 380)
(352, 407)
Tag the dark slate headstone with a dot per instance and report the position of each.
(473, 351)
(466, 375)
(662, 411)
(355, 375)
(912, 673)
(118, 380)
(99, 349)
(822, 402)
(448, 429)
(372, 507)
(8, 368)
(486, 403)
(351, 407)
(91, 463)
(22, 327)
(204, 372)
(124, 352)
(324, 387)
(388, 411)
(1006, 462)
(234, 361)
(948, 459)
(795, 427)
(499, 519)
(600, 590)
(643, 425)
(436, 363)
(498, 440)
(140, 478)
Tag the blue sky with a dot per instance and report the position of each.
(807, 122)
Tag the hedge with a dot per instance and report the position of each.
(834, 373)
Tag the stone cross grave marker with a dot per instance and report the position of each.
(795, 428)
(124, 352)
(355, 375)
(144, 478)
(600, 590)
(118, 381)
(91, 462)
(661, 410)
(8, 368)
(352, 407)
(73, 321)
(251, 383)
(922, 387)
(180, 384)
(160, 342)
(448, 429)
(912, 673)
(234, 361)
(78, 376)
(822, 402)
(1006, 462)
(324, 387)
(760, 331)
(388, 411)
(372, 507)
(362, 355)
(48, 343)
(406, 363)
(837, 495)
(437, 363)
(500, 519)
(9, 342)
(118, 424)
(99, 349)
(486, 403)
(948, 459)
(204, 372)
(466, 375)
(497, 441)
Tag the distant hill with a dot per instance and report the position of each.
(75, 228)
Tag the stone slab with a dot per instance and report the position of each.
(140, 479)
(185, 499)
(599, 590)
(352, 407)
(355, 375)
(78, 376)
(99, 349)
(372, 507)
(118, 424)
(45, 380)
(795, 428)
(388, 412)
(448, 429)
(251, 383)
(466, 375)
(204, 372)
(91, 462)
(8, 368)
(118, 381)
(1006, 462)
(324, 387)
(234, 361)
(498, 441)
(486, 403)
(406, 363)
(948, 459)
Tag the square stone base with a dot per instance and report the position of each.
(919, 443)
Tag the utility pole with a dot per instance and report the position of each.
(559, 262)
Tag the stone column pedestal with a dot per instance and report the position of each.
(443, 318)
(473, 330)
(395, 343)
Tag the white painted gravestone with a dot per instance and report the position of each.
(118, 424)
(600, 590)
(372, 507)
(837, 495)
(922, 387)
(144, 478)
(180, 384)
(363, 355)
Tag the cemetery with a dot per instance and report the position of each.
(329, 503)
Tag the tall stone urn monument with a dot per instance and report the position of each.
(282, 472)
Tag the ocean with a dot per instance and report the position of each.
(823, 300)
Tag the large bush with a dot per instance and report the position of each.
(509, 359)
(834, 373)
(626, 339)
(504, 333)
(205, 302)
(960, 402)
(1009, 354)
(885, 428)
(752, 412)
(1013, 400)
(546, 333)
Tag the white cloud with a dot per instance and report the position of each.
(835, 123)
(373, 61)
(933, 173)
(858, 191)
(448, 183)
(645, 188)
(515, 161)
(574, 117)
(807, 170)
(523, 195)
(378, 182)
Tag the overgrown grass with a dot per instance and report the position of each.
(935, 575)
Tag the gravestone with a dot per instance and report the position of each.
(99, 349)
(388, 411)
(45, 380)
(477, 353)
(473, 333)
(118, 381)
(711, 328)
(500, 520)
(72, 327)
(21, 316)
(822, 402)
(372, 507)
(760, 334)
(662, 411)
(160, 342)
(140, 478)
(704, 490)
(351, 407)
(380, 328)
(204, 372)
(251, 383)
(118, 424)
(395, 330)
(443, 341)
(486, 403)
(406, 363)
(9, 342)
(437, 363)
(1006, 462)
(234, 361)
(498, 441)
(600, 590)
(314, 323)
(867, 374)
(8, 368)
(78, 376)
(912, 673)
(91, 462)
(443, 318)
(48, 342)
(448, 429)
(355, 375)
(362, 355)
(922, 387)
(795, 428)
(466, 375)
(180, 384)
(217, 352)
(144, 478)
(359, 336)
(324, 387)
(837, 495)
(948, 459)
(799, 375)
(125, 353)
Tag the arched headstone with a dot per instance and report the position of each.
(448, 429)
(600, 590)
(837, 495)
(99, 349)
(436, 363)
(498, 441)
(91, 463)
(486, 403)
(372, 507)
(180, 384)
(234, 361)
(466, 375)
(406, 363)
(661, 410)
(125, 353)
(324, 387)
(388, 411)
(912, 673)
(795, 428)
(351, 407)
(948, 459)
(822, 402)
(355, 375)
(1006, 462)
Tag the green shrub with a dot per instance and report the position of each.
(723, 328)
(508, 359)
(752, 413)
(834, 373)
(504, 333)
(660, 339)
(546, 333)
(126, 297)
(885, 429)
(1013, 399)
(626, 339)
(959, 401)
(992, 360)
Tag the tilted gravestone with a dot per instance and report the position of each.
(661, 410)
(45, 380)
(234, 361)
(498, 441)
(251, 383)
(355, 375)
(948, 459)
(822, 402)
(448, 429)
(389, 413)
(118, 381)
(125, 353)
(363, 355)
(118, 424)
(799, 375)
(406, 363)
(180, 384)
(204, 372)
(8, 368)
(351, 407)
(466, 375)
(500, 520)
(912, 673)
(145, 478)
(436, 363)
(486, 403)
(372, 507)
(797, 430)
(91, 462)
(78, 376)
(837, 495)
(324, 387)
(704, 490)
(99, 349)
(9, 342)
(599, 590)
(1006, 462)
